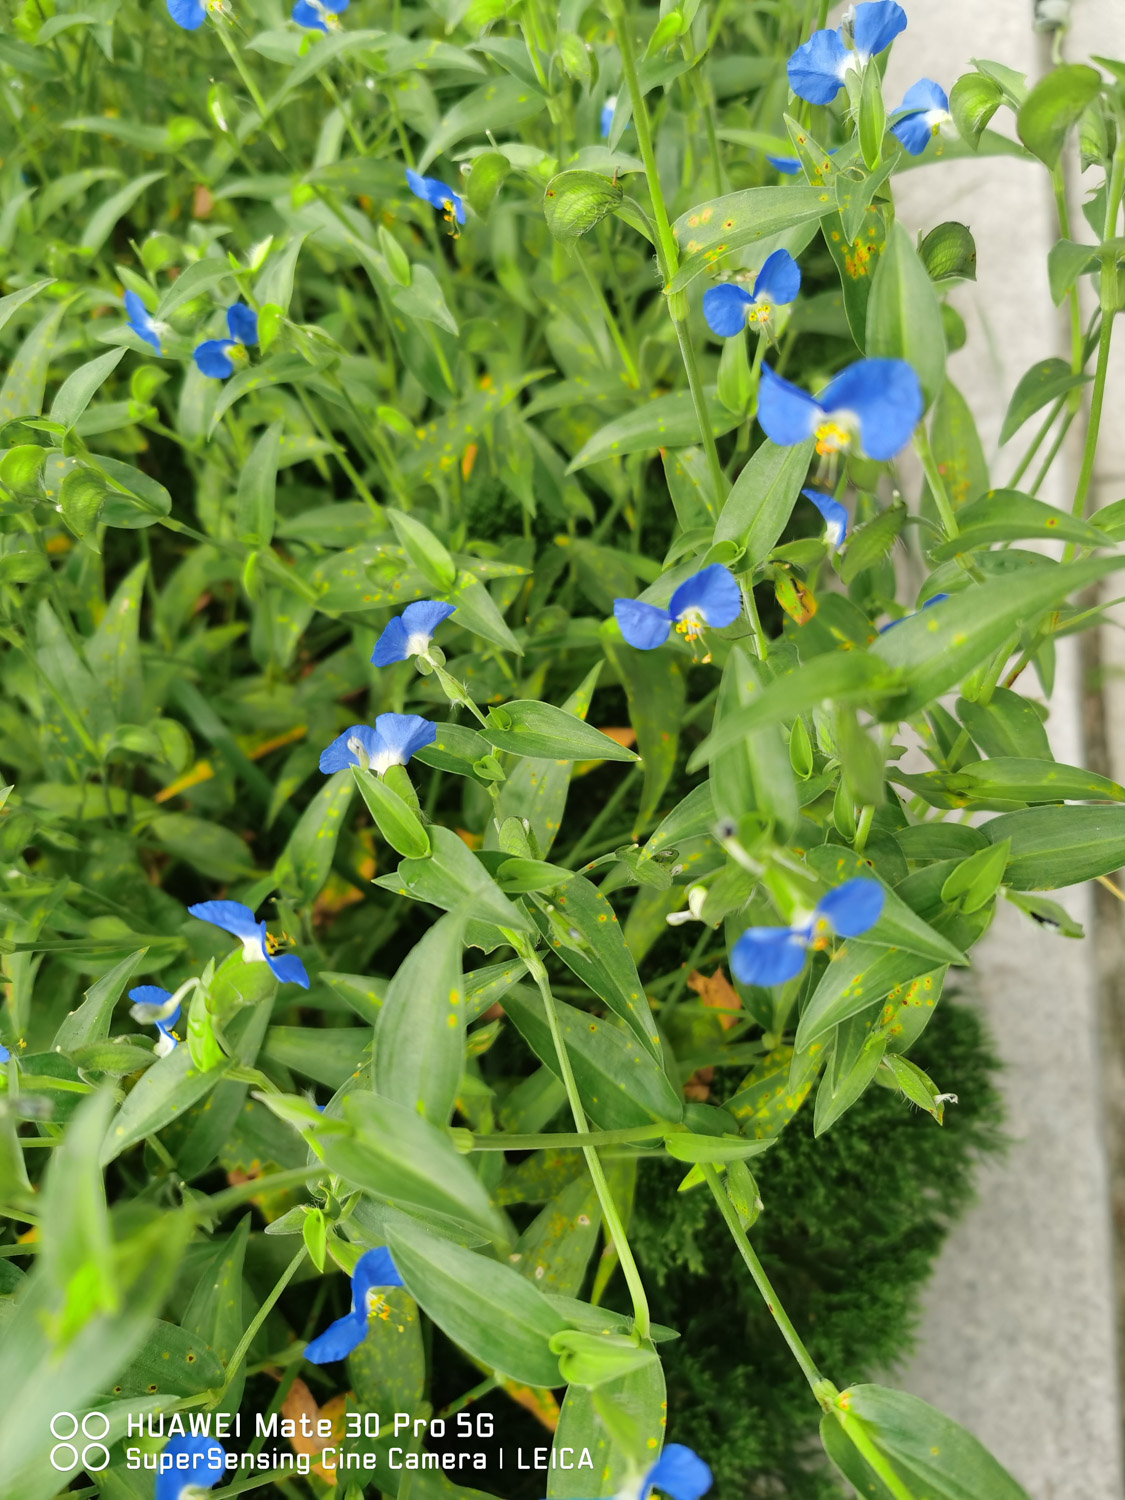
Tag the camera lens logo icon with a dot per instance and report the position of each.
(65, 1456)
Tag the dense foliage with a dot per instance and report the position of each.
(458, 538)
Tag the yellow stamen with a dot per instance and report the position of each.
(378, 1306)
(832, 438)
(821, 934)
(759, 312)
(691, 626)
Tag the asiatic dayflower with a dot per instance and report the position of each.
(870, 408)
(708, 598)
(191, 14)
(771, 955)
(835, 517)
(319, 15)
(929, 604)
(788, 165)
(608, 110)
(679, 1473)
(258, 946)
(730, 306)
(5, 1055)
(922, 113)
(141, 321)
(153, 1006)
(374, 1274)
(437, 193)
(216, 357)
(392, 742)
(205, 1465)
(819, 68)
(410, 633)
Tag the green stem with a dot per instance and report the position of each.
(762, 1281)
(235, 1362)
(562, 1140)
(856, 1432)
(936, 481)
(1060, 439)
(1036, 443)
(1115, 187)
(252, 88)
(610, 321)
(615, 1229)
(760, 638)
(863, 829)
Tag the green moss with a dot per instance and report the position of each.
(851, 1227)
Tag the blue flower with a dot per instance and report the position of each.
(608, 109)
(410, 633)
(213, 357)
(835, 516)
(818, 68)
(374, 1272)
(789, 165)
(432, 190)
(872, 407)
(771, 955)
(257, 944)
(711, 597)
(190, 14)
(678, 1473)
(204, 1467)
(5, 1055)
(141, 321)
(392, 742)
(160, 1008)
(729, 307)
(930, 602)
(319, 15)
(926, 107)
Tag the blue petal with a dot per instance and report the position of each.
(788, 415)
(190, 14)
(375, 1268)
(789, 165)
(935, 599)
(402, 734)
(713, 592)
(425, 615)
(925, 95)
(243, 323)
(231, 916)
(149, 994)
(877, 23)
(336, 7)
(768, 955)
(432, 190)
(725, 307)
(914, 132)
(338, 1339)
(391, 645)
(212, 358)
(5, 1055)
(207, 1465)
(779, 280)
(309, 16)
(853, 907)
(140, 321)
(606, 121)
(165, 1030)
(679, 1473)
(151, 1006)
(816, 69)
(643, 625)
(834, 513)
(287, 967)
(338, 754)
(886, 397)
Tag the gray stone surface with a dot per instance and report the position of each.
(1018, 1340)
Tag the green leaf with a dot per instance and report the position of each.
(620, 1083)
(711, 230)
(210, 848)
(761, 501)
(1043, 383)
(949, 253)
(1053, 107)
(622, 1426)
(850, 1071)
(1007, 725)
(869, 544)
(973, 100)
(933, 1455)
(172, 1361)
(390, 1365)
(899, 926)
(976, 881)
(331, 1055)
(192, 281)
(77, 1247)
(257, 486)
(21, 395)
(555, 1248)
(575, 202)
(935, 648)
(494, 106)
(486, 178)
(860, 974)
(544, 732)
(214, 1313)
(78, 389)
(1015, 779)
(485, 1307)
(420, 1033)
(693, 816)
(904, 314)
(655, 691)
(279, 369)
(453, 878)
(397, 822)
(15, 300)
(306, 861)
(686, 1147)
(753, 774)
(957, 448)
(326, 51)
(1058, 846)
(424, 550)
(399, 1158)
(90, 1022)
(104, 220)
(1066, 261)
(477, 611)
(1008, 516)
(135, 500)
(663, 422)
(166, 1090)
